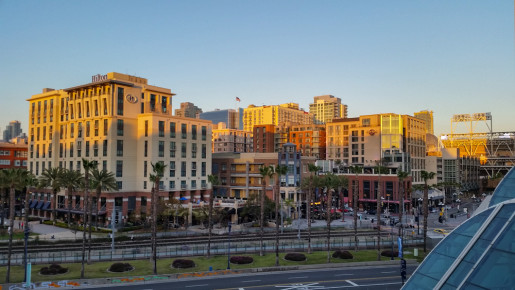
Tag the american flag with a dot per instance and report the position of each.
(238, 99)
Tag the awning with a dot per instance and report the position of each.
(40, 204)
(46, 206)
(33, 203)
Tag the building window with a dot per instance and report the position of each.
(204, 150)
(172, 168)
(119, 185)
(161, 149)
(145, 169)
(193, 169)
(72, 129)
(87, 149)
(172, 129)
(172, 149)
(161, 128)
(105, 105)
(204, 133)
(183, 168)
(146, 128)
(119, 168)
(104, 148)
(71, 149)
(203, 168)
(120, 102)
(96, 128)
(119, 147)
(184, 131)
(164, 101)
(104, 165)
(172, 184)
(194, 132)
(193, 184)
(95, 149)
(87, 128)
(145, 149)
(79, 149)
(183, 150)
(193, 150)
(152, 102)
(119, 128)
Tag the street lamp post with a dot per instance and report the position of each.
(229, 249)
(298, 218)
(418, 216)
(26, 241)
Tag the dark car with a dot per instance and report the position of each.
(372, 212)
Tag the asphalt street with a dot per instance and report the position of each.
(371, 277)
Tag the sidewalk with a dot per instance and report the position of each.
(49, 232)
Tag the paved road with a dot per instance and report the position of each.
(371, 277)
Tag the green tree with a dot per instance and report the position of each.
(426, 176)
(213, 179)
(402, 175)
(279, 171)
(331, 182)
(380, 169)
(53, 178)
(88, 167)
(158, 170)
(313, 182)
(71, 180)
(13, 179)
(266, 172)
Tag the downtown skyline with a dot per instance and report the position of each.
(451, 58)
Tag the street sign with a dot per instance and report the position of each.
(399, 243)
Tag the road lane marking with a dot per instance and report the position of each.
(389, 272)
(352, 283)
(249, 281)
(302, 277)
(197, 285)
(343, 275)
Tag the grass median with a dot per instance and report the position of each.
(202, 264)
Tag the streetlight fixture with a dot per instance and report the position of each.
(229, 248)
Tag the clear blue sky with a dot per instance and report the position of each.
(451, 57)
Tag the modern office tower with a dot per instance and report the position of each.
(188, 110)
(231, 140)
(398, 140)
(13, 155)
(428, 117)
(310, 140)
(12, 130)
(125, 125)
(233, 119)
(326, 108)
(274, 115)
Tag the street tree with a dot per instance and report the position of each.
(402, 175)
(355, 195)
(266, 172)
(313, 183)
(279, 171)
(158, 170)
(71, 180)
(52, 178)
(213, 179)
(88, 167)
(426, 176)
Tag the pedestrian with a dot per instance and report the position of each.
(132, 238)
(22, 225)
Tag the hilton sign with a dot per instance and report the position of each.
(98, 78)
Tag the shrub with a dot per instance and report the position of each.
(120, 267)
(241, 260)
(297, 257)
(342, 254)
(388, 253)
(53, 269)
(183, 263)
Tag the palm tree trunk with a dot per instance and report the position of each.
(277, 224)
(90, 216)
(262, 219)
(355, 208)
(308, 216)
(154, 226)
(54, 208)
(2, 210)
(69, 217)
(425, 217)
(378, 212)
(26, 229)
(11, 226)
(401, 206)
(210, 223)
(329, 208)
(84, 219)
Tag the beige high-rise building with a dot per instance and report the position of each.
(397, 139)
(188, 110)
(274, 115)
(126, 125)
(428, 117)
(326, 108)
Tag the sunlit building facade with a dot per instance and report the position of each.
(274, 115)
(326, 108)
(310, 140)
(125, 125)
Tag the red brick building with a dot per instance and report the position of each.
(13, 155)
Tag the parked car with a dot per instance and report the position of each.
(372, 212)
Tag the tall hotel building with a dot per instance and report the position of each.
(125, 125)
(326, 108)
(399, 140)
(274, 115)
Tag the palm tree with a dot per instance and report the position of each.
(401, 175)
(355, 189)
(13, 178)
(88, 166)
(313, 169)
(280, 170)
(71, 180)
(52, 177)
(30, 182)
(426, 176)
(100, 180)
(342, 184)
(380, 169)
(213, 179)
(266, 172)
(158, 168)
